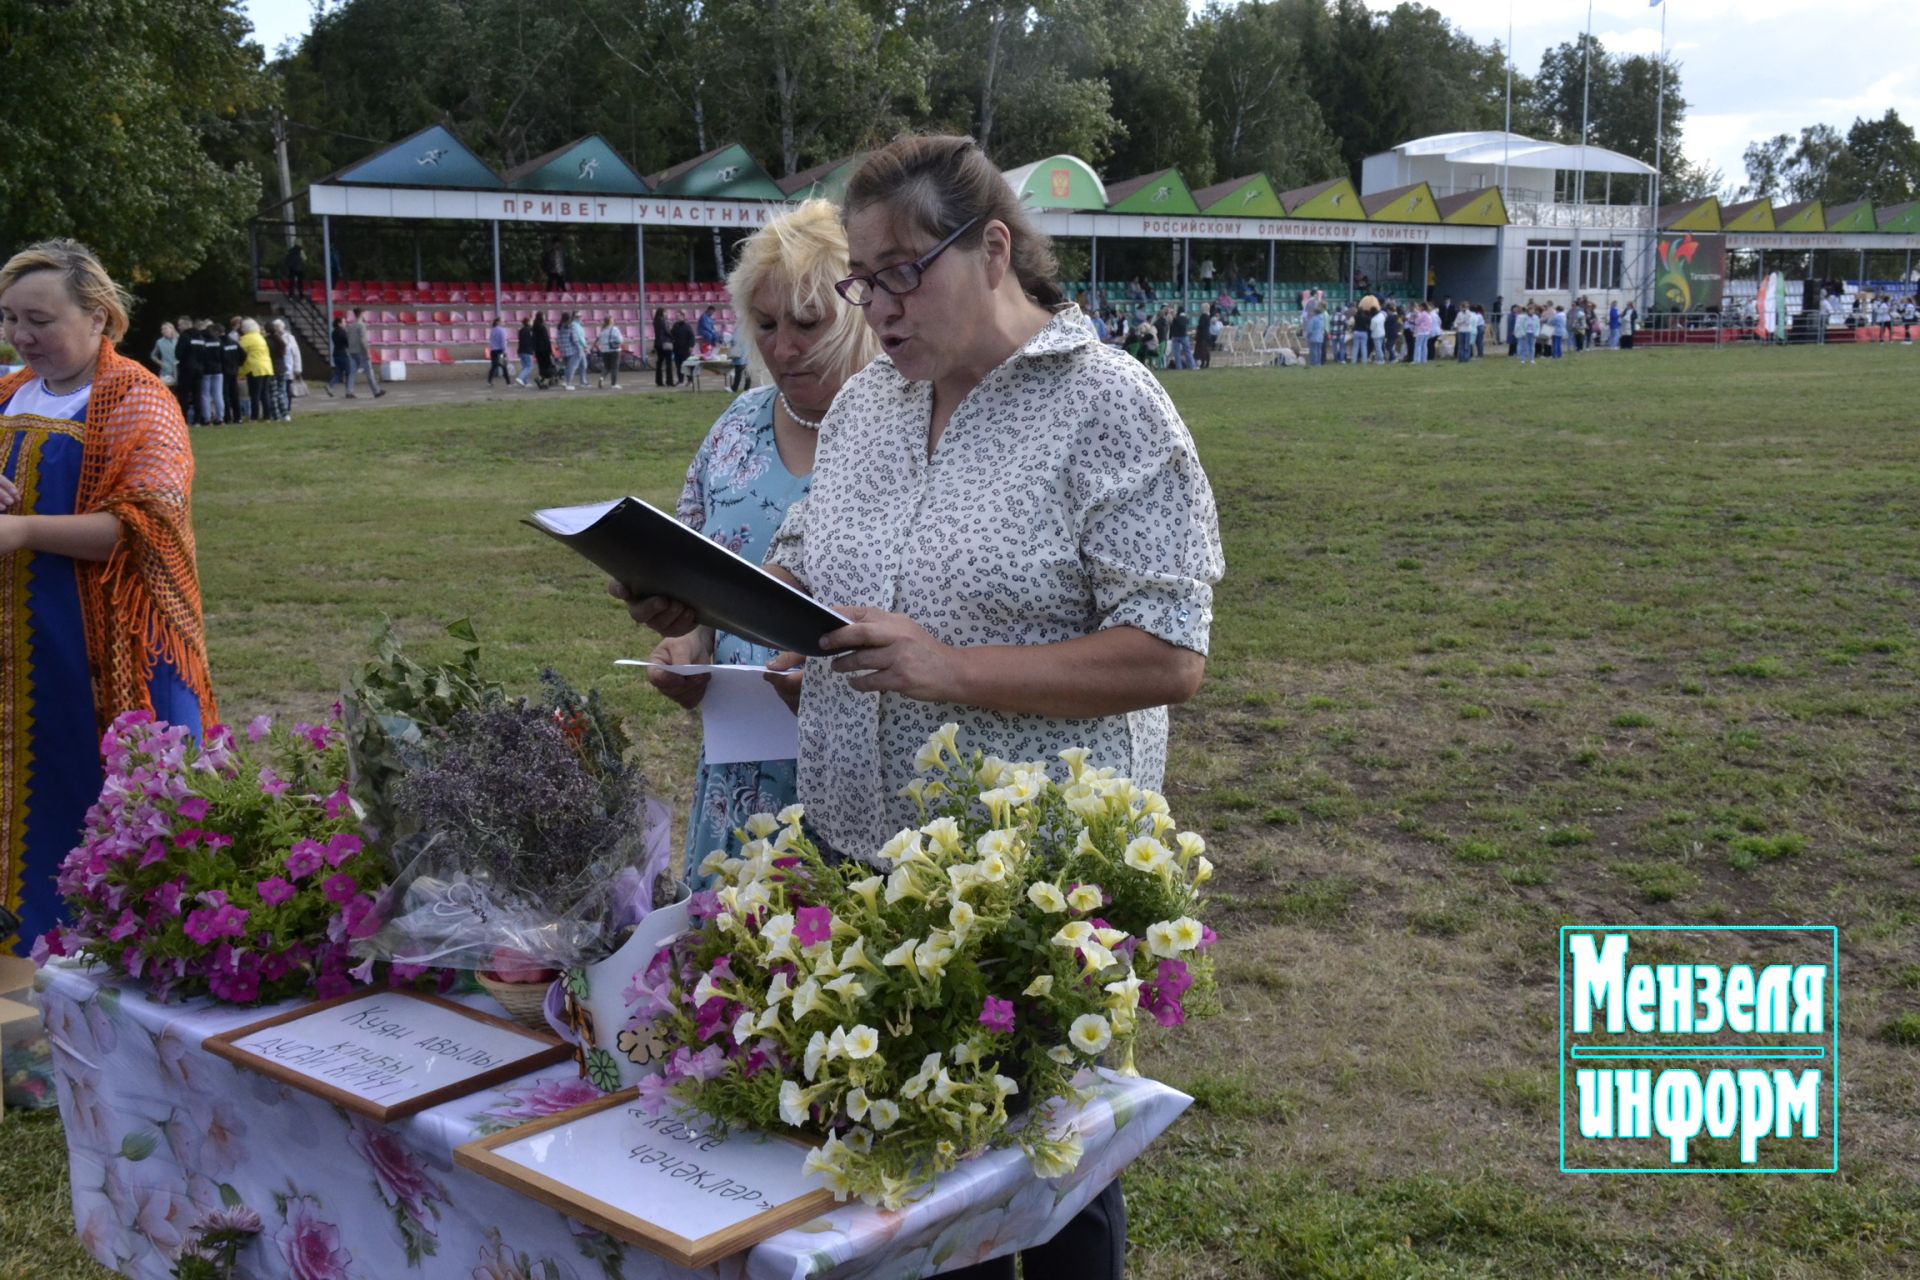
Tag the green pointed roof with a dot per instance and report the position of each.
(1806, 215)
(1852, 218)
(1411, 203)
(1752, 215)
(1058, 182)
(1162, 192)
(588, 166)
(1483, 208)
(824, 181)
(1334, 199)
(1901, 219)
(725, 173)
(433, 157)
(1691, 215)
(1248, 197)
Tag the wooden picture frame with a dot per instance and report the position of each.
(483, 1157)
(542, 1050)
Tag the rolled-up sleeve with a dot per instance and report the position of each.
(1149, 533)
(787, 550)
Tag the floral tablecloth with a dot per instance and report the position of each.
(161, 1133)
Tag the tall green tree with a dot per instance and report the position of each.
(1251, 92)
(126, 127)
(1881, 161)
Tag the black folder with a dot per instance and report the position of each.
(652, 554)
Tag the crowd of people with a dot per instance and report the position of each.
(203, 363)
(1372, 331)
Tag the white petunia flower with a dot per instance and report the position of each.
(816, 1056)
(1187, 933)
(1110, 937)
(856, 1103)
(743, 1027)
(885, 1113)
(1191, 846)
(1005, 1087)
(917, 1083)
(1125, 992)
(791, 815)
(1086, 897)
(1046, 897)
(992, 869)
(903, 847)
(1059, 1053)
(793, 1103)
(1090, 1033)
(944, 835)
(1076, 758)
(944, 1087)
(858, 1140)
(806, 998)
(1160, 940)
(1041, 986)
(779, 989)
(1202, 872)
(762, 825)
(1147, 854)
(902, 954)
(900, 885)
(711, 864)
(962, 918)
(1074, 934)
(1058, 1158)
(862, 1042)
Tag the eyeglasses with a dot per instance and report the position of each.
(901, 277)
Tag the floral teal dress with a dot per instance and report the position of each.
(737, 493)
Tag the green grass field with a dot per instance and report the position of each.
(1628, 639)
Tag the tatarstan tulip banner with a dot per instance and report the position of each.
(1692, 270)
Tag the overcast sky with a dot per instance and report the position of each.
(1751, 68)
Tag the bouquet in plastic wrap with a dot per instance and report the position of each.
(526, 848)
(903, 1013)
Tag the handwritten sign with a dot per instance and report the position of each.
(387, 1054)
(666, 1183)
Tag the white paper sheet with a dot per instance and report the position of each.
(742, 716)
(570, 520)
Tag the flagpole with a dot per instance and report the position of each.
(1659, 128)
(1506, 148)
(1586, 98)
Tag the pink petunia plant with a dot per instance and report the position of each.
(220, 868)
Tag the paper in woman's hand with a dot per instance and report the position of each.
(742, 716)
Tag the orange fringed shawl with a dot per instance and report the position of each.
(143, 604)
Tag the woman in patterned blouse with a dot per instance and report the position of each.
(1014, 517)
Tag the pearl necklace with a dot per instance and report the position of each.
(811, 424)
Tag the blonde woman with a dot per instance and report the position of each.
(757, 461)
(96, 551)
(257, 368)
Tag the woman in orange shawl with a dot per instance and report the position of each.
(99, 598)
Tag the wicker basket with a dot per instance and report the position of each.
(525, 1002)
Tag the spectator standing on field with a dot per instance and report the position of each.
(662, 349)
(362, 357)
(610, 342)
(232, 358)
(682, 346)
(497, 353)
(339, 350)
(523, 348)
(1180, 348)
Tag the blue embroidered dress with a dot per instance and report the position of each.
(737, 493)
(50, 770)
